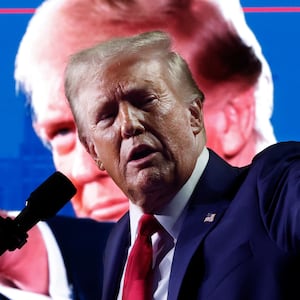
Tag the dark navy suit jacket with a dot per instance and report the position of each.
(249, 251)
(82, 243)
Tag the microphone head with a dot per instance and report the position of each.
(46, 200)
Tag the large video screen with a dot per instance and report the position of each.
(25, 162)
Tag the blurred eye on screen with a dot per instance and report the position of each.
(62, 138)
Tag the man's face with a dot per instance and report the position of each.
(97, 195)
(140, 128)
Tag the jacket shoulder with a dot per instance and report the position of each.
(282, 151)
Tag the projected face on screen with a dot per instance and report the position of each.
(97, 195)
(210, 44)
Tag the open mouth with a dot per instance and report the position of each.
(140, 152)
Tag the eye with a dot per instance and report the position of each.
(107, 113)
(148, 99)
(61, 132)
(61, 137)
(142, 99)
(106, 116)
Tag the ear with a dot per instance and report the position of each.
(239, 118)
(196, 117)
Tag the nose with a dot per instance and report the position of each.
(84, 168)
(131, 118)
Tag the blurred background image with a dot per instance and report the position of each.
(25, 162)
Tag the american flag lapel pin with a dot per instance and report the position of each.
(209, 218)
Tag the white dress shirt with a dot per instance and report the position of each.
(171, 219)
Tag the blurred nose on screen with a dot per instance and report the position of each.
(84, 168)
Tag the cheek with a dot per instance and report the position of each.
(176, 137)
(102, 142)
(107, 152)
(63, 162)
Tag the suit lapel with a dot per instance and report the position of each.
(115, 257)
(197, 225)
(207, 205)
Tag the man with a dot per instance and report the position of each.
(234, 232)
(40, 63)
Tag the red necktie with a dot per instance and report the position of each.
(138, 279)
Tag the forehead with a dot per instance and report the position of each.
(117, 81)
(137, 73)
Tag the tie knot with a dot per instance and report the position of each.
(148, 225)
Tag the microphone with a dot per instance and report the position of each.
(42, 204)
